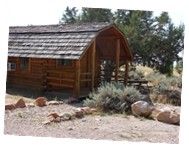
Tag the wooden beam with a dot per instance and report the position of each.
(77, 79)
(93, 65)
(126, 72)
(108, 37)
(117, 58)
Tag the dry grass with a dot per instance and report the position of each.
(145, 70)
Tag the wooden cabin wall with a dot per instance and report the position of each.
(85, 65)
(86, 68)
(60, 77)
(42, 74)
(29, 78)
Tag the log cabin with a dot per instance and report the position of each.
(65, 57)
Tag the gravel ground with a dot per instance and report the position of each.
(28, 122)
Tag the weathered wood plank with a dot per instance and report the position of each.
(60, 85)
(126, 72)
(85, 80)
(117, 58)
(93, 64)
(76, 91)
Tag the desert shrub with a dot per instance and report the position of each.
(144, 70)
(130, 94)
(113, 97)
(155, 78)
(168, 84)
(135, 73)
(179, 66)
(168, 90)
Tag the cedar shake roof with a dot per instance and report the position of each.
(53, 41)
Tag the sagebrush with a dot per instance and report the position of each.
(114, 97)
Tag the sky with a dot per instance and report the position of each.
(46, 12)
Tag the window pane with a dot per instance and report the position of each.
(64, 62)
(24, 62)
(11, 66)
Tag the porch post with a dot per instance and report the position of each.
(117, 59)
(93, 65)
(77, 79)
(126, 72)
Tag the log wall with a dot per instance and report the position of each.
(43, 74)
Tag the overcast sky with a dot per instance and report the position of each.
(24, 12)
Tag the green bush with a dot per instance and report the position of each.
(113, 97)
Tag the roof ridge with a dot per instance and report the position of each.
(61, 24)
(76, 27)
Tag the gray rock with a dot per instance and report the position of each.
(66, 116)
(141, 108)
(53, 103)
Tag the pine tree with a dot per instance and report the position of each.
(70, 16)
(96, 15)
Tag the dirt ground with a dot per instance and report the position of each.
(28, 122)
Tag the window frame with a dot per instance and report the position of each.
(64, 63)
(26, 62)
(10, 65)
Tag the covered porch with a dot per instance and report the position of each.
(107, 53)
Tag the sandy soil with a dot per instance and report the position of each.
(28, 122)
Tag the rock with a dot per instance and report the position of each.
(70, 128)
(54, 117)
(20, 103)
(175, 118)
(53, 103)
(58, 119)
(40, 101)
(72, 100)
(93, 110)
(86, 110)
(98, 119)
(83, 120)
(167, 116)
(10, 107)
(46, 122)
(154, 113)
(79, 114)
(30, 105)
(66, 116)
(131, 135)
(141, 108)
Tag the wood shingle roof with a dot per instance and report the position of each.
(52, 41)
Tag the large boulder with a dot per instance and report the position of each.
(168, 116)
(141, 108)
(40, 101)
(20, 103)
(154, 113)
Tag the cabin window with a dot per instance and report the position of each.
(24, 63)
(11, 66)
(64, 62)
